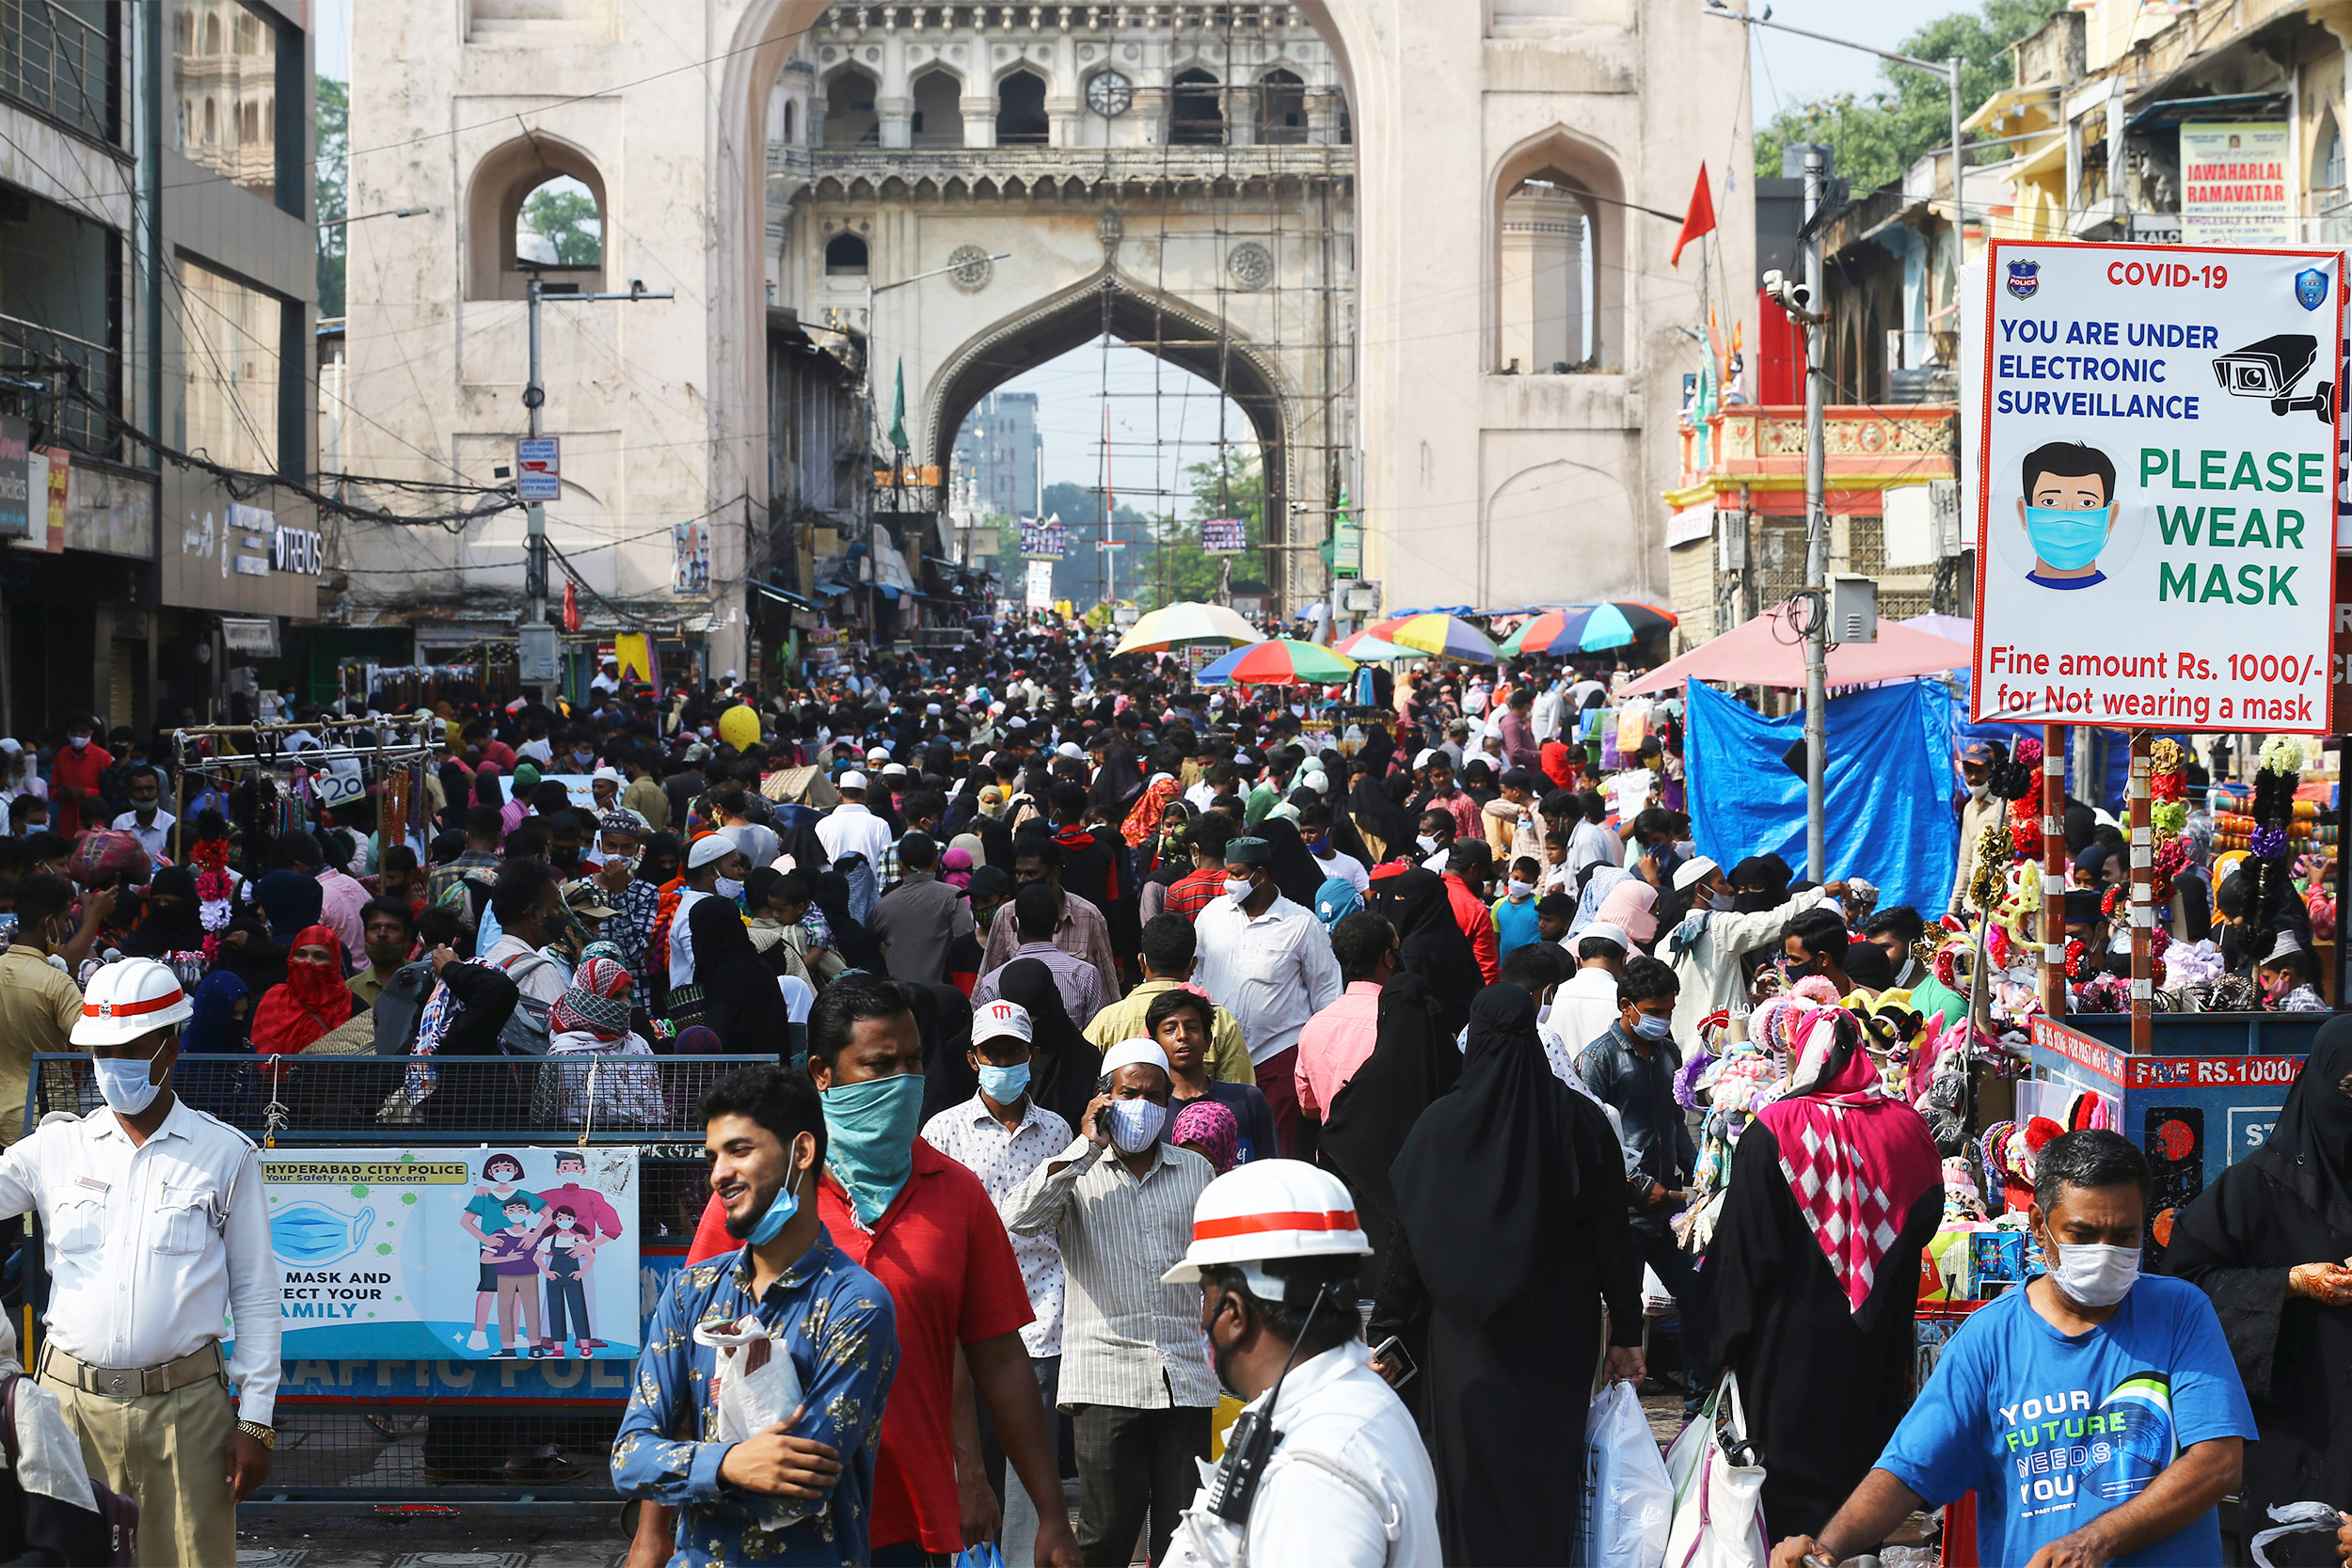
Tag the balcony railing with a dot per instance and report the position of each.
(61, 65)
(85, 374)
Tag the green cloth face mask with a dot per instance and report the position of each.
(870, 1139)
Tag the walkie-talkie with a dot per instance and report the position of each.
(1249, 1445)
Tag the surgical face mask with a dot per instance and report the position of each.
(1238, 889)
(727, 887)
(79, 740)
(1428, 844)
(310, 1235)
(2095, 1275)
(1519, 891)
(1005, 1084)
(2065, 538)
(1720, 901)
(565, 1225)
(1320, 843)
(626, 861)
(585, 759)
(1978, 791)
(124, 1083)
(1137, 1124)
(1683, 848)
(1651, 1028)
(779, 1212)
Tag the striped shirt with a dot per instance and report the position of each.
(1127, 1340)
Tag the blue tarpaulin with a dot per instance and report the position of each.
(1889, 817)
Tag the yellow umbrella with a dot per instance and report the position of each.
(1173, 624)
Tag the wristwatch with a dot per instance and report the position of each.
(266, 1436)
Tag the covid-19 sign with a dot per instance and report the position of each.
(2156, 529)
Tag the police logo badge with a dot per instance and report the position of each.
(2025, 278)
(2311, 288)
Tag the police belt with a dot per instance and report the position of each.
(132, 1381)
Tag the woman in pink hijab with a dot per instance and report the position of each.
(1631, 906)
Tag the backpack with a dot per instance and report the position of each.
(527, 1031)
(106, 1532)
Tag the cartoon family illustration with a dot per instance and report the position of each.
(527, 1237)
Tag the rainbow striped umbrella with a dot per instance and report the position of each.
(1367, 647)
(1588, 628)
(1277, 661)
(1438, 635)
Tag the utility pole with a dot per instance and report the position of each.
(1815, 539)
(535, 399)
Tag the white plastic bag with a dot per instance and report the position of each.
(1718, 1503)
(1629, 1503)
(754, 1386)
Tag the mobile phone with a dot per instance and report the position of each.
(1391, 1354)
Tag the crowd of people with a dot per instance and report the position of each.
(1387, 1056)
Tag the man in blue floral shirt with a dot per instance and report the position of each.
(765, 1131)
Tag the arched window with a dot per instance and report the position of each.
(1196, 114)
(845, 256)
(536, 206)
(1282, 109)
(1558, 260)
(1021, 111)
(938, 110)
(850, 117)
(789, 107)
(211, 124)
(211, 33)
(2330, 202)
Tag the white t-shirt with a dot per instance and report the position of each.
(1340, 863)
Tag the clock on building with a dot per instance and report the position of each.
(1111, 94)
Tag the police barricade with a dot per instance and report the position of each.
(471, 1248)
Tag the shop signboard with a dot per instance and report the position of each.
(110, 512)
(16, 451)
(2155, 508)
(2234, 185)
(227, 555)
(1042, 541)
(1040, 595)
(387, 1252)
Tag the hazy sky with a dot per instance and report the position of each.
(1784, 68)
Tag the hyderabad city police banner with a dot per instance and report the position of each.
(2156, 494)
(455, 1254)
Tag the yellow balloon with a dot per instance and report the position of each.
(739, 726)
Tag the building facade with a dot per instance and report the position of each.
(1306, 205)
(155, 183)
(1000, 445)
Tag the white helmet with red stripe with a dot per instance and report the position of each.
(128, 1000)
(1267, 1210)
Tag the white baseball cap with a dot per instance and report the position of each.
(1267, 1209)
(852, 780)
(128, 1000)
(1002, 1019)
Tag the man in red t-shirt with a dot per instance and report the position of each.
(1468, 868)
(936, 1243)
(1192, 893)
(74, 778)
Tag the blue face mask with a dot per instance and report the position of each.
(2066, 539)
(124, 1083)
(1005, 1084)
(779, 1212)
(869, 1130)
(1653, 1028)
(310, 1235)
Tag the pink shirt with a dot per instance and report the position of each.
(1334, 1043)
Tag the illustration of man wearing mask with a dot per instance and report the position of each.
(2068, 511)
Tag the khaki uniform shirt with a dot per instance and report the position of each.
(38, 1007)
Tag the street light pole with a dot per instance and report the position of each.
(1816, 538)
(534, 399)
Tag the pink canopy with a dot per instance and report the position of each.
(1768, 652)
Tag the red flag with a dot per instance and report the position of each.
(1699, 221)
(571, 606)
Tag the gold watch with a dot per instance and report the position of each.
(266, 1436)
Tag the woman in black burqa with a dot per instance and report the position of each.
(1511, 1234)
(2268, 1242)
(1429, 943)
(740, 996)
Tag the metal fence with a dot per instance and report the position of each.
(499, 1453)
(85, 419)
(62, 65)
(468, 1100)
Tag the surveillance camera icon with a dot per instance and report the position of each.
(2270, 369)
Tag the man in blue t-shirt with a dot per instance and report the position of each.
(2096, 1415)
